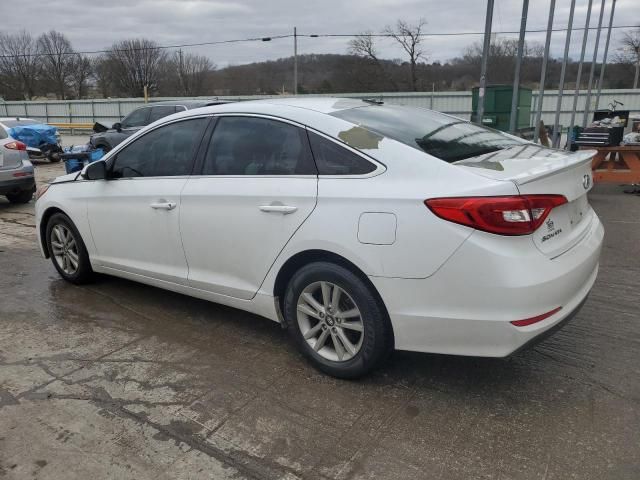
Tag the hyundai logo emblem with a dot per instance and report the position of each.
(586, 181)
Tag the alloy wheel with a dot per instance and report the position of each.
(330, 321)
(65, 249)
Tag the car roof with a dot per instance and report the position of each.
(318, 104)
(4, 119)
(187, 103)
(311, 111)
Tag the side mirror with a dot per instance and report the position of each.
(117, 126)
(95, 171)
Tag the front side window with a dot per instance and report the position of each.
(161, 111)
(333, 159)
(440, 135)
(137, 118)
(257, 146)
(163, 152)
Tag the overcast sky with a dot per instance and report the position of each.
(93, 25)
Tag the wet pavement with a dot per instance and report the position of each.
(121, 380)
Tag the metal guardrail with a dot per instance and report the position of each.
(73, 127)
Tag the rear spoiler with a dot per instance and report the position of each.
(571, 161)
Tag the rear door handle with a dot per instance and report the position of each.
(283, 209)
(163, 205)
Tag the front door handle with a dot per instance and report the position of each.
(163, 205)
(283, 209)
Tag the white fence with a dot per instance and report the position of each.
(455, 103)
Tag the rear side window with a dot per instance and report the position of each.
(257, 146)
(332, 159)
(440, 135)
(161, 111)
(164, 152)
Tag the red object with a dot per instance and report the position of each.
(15, 145)
(22, 174)
(504, 215)
(532, 320)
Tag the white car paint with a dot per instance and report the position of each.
(447, 288)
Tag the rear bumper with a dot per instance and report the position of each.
(466, 307)
(10, 183)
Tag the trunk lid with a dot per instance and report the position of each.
(540, 170)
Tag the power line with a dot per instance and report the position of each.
(308, 35)
(451, 34)
(157, 47)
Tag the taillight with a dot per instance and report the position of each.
(505, 215)
(15, 145)
(536, 319)
(42, 189)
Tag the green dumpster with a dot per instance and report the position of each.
(497, 106)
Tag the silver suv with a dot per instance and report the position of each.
(17, 180)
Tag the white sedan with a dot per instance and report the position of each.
(361, 227)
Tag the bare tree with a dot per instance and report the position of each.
(409, 37)
(80, 71)
(363, 46)
(630, 52)
(192, 73)
(136, 63)
(19, 65)
(102, 71)
(56, 57)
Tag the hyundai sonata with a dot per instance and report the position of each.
(360, 227)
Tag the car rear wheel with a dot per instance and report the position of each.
(336, 321)
(22, 197)
(67, 250)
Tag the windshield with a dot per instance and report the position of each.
(440, 135)
(15, 123)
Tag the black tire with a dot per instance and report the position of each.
(377, 337)
(23, 197)
(83, 273)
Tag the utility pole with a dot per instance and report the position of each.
(587, 102)
(485, 55)
(606, 51)
(579, 75)
(543, 74)
(513, 122)
(181, 71)
(556, 123)
(295, 61)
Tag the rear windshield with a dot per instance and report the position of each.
(440, 135)
(15, 123)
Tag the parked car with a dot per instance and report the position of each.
(361, 227)
(17, 180)
(107, 138)
(42, 140)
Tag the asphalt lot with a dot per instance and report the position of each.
(120, 380)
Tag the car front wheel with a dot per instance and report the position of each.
(336, 320)
(67, 250)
